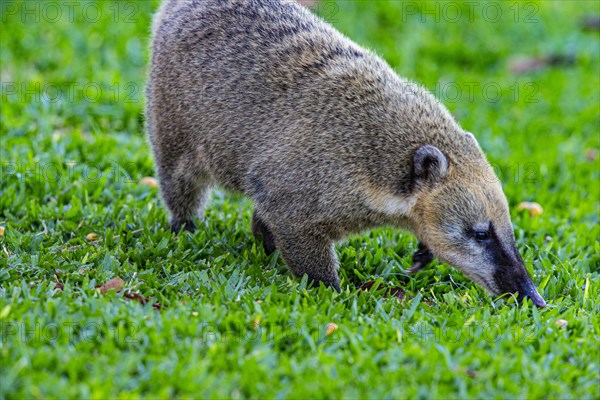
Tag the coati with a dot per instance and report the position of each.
(263, 98)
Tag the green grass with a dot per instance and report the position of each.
(233, 322)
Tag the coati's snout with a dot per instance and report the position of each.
(462, 218)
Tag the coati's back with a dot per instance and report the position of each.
(244, 74)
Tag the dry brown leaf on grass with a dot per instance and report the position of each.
(591, 155)
(519, 65)
(142, 300)
(590, 23)
(137, 297)
(58, 285)
(388, 292)
(523, 64)
(115, 284)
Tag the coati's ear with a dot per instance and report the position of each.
(472, 137)
(430, 164)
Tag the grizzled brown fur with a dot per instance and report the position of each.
(263, 98)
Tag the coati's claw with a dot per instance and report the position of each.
(315, 283)
(177, 226)
(268, 245)
(421, 259)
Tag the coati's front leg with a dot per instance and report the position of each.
(421, 259)
(261, 231)
(310, 253)
(185, 195)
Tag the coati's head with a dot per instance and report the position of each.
(462, 216)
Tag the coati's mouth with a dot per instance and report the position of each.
(471, 273)
(528, 291)
(516, 279)
(483, 282)
(511, 280)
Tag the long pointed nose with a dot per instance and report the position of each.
(529, 290)
(515, 279)
(511, 276)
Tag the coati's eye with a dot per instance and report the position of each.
(482, 236)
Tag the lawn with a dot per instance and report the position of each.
(208, 314)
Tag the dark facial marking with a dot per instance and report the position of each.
(502, 257)
(510, 274)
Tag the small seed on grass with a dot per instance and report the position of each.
(115, 284)
(561, 323)
(331, 327)
(149, 181)
(534, 208)
(91, 236)
(591, 154)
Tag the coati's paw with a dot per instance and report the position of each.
(187, 225)
(262, 232)
(421, 259)
(268, 245)
(334, 283)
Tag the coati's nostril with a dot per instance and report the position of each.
(537, 299)
(531, 293)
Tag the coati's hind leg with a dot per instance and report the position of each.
(309, 253)
(185, 193)
(262, 231)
